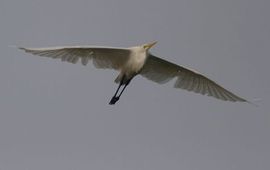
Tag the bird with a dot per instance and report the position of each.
(137, 60)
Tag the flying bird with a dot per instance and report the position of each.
(137, 60)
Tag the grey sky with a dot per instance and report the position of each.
(55, 115)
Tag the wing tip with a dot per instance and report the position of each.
(252, 103)
(15, 46)
(20, 48)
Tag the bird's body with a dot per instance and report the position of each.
(133, 65)
(137, 60)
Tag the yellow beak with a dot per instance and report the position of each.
(148, 46)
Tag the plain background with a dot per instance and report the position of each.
(55, 115)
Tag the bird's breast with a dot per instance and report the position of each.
(135, 63)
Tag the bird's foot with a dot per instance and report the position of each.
(114, 100)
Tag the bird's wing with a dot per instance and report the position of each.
(103, 57)
(162, 71)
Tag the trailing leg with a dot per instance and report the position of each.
(124, 88)
(115, 98)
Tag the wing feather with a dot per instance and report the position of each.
(197, 89)
(103, 57)
(162, 71)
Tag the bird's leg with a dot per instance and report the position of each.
(115, 98)
(123, 89)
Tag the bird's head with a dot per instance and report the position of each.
(146, 47)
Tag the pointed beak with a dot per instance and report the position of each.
(151, 45)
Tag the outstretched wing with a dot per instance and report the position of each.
(162, 71)
(103, 57)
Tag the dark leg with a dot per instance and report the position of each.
(124, 88)
(114, 98)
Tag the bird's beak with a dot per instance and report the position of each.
(148, 46)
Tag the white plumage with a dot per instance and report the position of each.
(137, 60)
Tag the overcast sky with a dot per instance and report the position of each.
(55, 115)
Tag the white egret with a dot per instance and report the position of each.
(134, 61)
